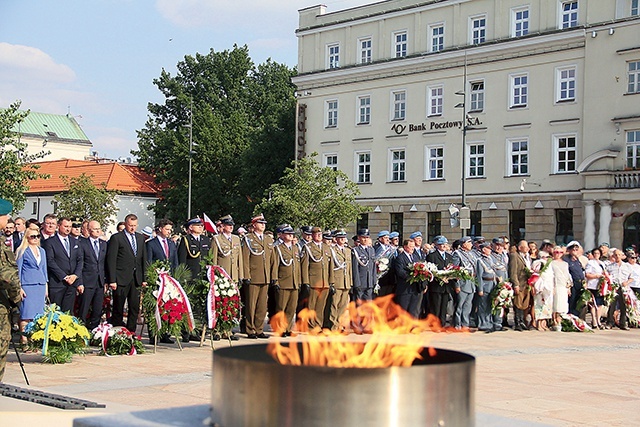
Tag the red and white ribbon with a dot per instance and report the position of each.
(211, 295)
(166, 281)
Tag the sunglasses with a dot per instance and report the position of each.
(34, 236)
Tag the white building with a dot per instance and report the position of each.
(543, 97)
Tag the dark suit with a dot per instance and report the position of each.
(191, 251)
(439, 292)
(16, 240)
(155, 252)
(93, 279)
(364, 272)
(60, 265)
(408, 295)
(126, 269)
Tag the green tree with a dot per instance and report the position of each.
(242, 121)
(309, 194)
(15, 164)
(85, 199)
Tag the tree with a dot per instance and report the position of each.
(15, 164)
(242, 132)
(86, 200)
(309, 194)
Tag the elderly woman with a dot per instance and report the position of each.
(562, 286)
(543, 290)
(594, 272)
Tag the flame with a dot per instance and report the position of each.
(395, 339)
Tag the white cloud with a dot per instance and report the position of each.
(26, 63)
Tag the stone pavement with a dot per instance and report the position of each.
(523, 378)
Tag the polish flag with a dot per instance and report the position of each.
(208, 224)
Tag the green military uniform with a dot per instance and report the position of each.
(9, 287)
(288, 276)
(317, 272)
(257, 251)
(343, 281)
(226, 252)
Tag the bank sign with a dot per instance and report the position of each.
(400, 128)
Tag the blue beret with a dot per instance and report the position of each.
(394, 234)
(383, 233)
(465, 239)
(415, 234)
(440, 240)
(6, 207)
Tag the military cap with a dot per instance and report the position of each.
(281, 227)
(364, 232)
(440, 240)
(316, 230)
(340, 233)
(573, 243)
(604, 244)
(383, 233)
(227, 220)
(6, 207)
(479, 239)
(394, 235)
(464, 239)
(484, 245)
(147, 231)
(194, 221)
(415, 234)
(287, 229)
(306, 229)
(498, 240)
(355, 238)
(76, 222)
(258, 218)
(327, 235)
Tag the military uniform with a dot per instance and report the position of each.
(364, 272)
(257, 253)
(343, 281)
(9, 289)
(191, 250)
(288, 277)
(226, 251)
(317, 272)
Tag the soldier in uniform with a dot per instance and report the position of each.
(343, 278)
(286, 276)
(305, 238)
(463, 257)
(10, 294)
(364, 267)
(257, 252)
(438, 292)
(317, 274)
(193, 246)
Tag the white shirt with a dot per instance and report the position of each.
(635, 275)
(619, 273)
(593, 267)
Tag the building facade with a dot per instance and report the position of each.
(528, 113)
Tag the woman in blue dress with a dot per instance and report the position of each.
(32, 270)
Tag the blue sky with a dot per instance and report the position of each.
(97, 58)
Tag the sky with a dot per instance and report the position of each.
(96, 59)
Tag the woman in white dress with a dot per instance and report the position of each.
(562, 286)
(593, 272)
(543, 291)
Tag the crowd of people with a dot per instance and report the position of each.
(70, 262)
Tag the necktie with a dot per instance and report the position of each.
(66, 246)
(96, 248)
(166, 248)
(133, 244)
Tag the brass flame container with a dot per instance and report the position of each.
(250, 389)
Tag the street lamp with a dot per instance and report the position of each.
(190, 126)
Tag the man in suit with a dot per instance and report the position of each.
(287, 277)
(408, 295)
(49, 226)
(94, 280)
(161, 247)
(439, 292)
(20, 226)
(519, 265)
(364, 267)
(9, 231)
(342, 278)
(125, 267)
(317, 274)
(64, 266)
(258, 260)
(464, 258)
(194, 246)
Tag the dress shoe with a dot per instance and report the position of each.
(518, 328)
(216, 337)
(624, 328)
(498, 329)
(234, 338)
(262, 335)
(252, 336)
(166, 339)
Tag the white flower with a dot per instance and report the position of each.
(232, 292)
(217, 293)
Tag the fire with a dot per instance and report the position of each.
(395, 339)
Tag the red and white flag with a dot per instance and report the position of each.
(208, 224)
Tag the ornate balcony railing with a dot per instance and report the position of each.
(626, 179)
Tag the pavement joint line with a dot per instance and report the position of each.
(539, 350)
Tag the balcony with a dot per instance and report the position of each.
(626, 179)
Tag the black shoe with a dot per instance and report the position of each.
(216, 337)
(252, 336)
(624, 328)
(262, 335)
(234, 338)
(498, 329)
(518, 328)
(165, 339)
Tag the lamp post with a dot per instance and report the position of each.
(190, 126)
(463, 105)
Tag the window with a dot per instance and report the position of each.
(436, 32)
(631, 229)
(476, 223)
(436, 99)
(476, 160)
(569, 14)
(478, 29)
(634, 77)
(34, 208)
(520, 22)
(363, 167)
(564, 226)
(362, 221)
(400, 44)
(331, 161)
(517, 229)
(397, 223)
(633, 149)
(332, 113)
(566, 84)
(434, 225)
(333, 52)
(566, 153)
(435, 162)
(399, 104)
(635, 9)
(476, 97)
(364, 110)
(397, 167)
(365, 50)
(518, 157)
(519, 90)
